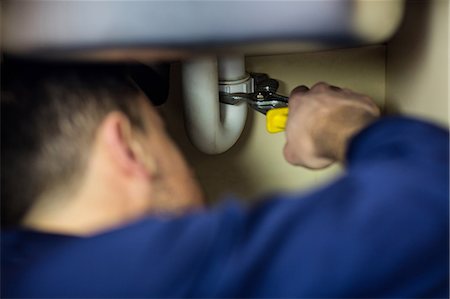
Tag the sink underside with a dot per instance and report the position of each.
(112, 30)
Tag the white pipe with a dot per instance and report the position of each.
(212, 127)
(231, 68)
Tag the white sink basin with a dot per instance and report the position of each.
(170, 29)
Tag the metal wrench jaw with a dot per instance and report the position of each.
(263, 99)
(260, 102)
(264, 103)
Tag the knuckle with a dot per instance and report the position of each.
(335, 88)
(320, 86)
(299, 90)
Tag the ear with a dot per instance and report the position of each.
(123, 147)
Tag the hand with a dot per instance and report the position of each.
(321, 122)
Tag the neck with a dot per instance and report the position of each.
(80, 216)
(68, 223)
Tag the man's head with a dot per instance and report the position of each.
(84, 145)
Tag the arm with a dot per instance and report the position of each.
(379, 230)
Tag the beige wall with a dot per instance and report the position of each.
(417, 62)
(255, 165)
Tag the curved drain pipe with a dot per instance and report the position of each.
(214, 127)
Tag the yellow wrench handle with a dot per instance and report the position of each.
(276, 119)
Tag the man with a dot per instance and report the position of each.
(98, 202)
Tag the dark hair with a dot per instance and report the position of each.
(49, 115)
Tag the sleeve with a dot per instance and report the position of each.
(381, 230)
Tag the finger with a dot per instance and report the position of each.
(299, 89)
(335, 88)
(320, 86)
